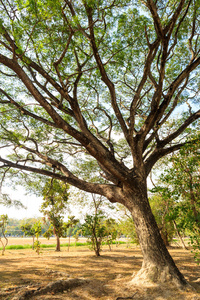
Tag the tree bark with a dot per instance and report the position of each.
(164, 236)
(57, 243)
(4, 245)
(158, 265)
(97, 251)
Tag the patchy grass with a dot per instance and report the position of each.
(49, 244)
(109, 275)
(17, 247)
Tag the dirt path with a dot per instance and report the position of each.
(108, 275)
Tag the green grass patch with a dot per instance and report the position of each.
(18, 247)
(118, 242)
(78, 244)
(48, 246)
(65, 245)
(15, 247)
(43, 246)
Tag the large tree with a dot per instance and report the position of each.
(100, 81)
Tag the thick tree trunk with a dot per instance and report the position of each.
(164, 236)
(57, 243)
(158, 265)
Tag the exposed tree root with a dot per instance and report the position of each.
(126, 298)
(53, 287)
(4, 293)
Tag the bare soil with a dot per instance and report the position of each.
(108, 276)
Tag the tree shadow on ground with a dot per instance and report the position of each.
(109, 275)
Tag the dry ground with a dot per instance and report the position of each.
(108, 275)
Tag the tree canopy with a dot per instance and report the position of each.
(103, 78)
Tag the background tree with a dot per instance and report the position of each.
(179, 185)
(49, 232)
(104, 79)
(97, 226)
(127, 229)
(3, 224)
(28, 230)
(77, 232)
(37, 228)
(110, 231)
(69, 226)
(160, 209)
(94, 228)
(14, 225)
(54, 206)
(33, 230)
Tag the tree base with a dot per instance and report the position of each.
(152, 274)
